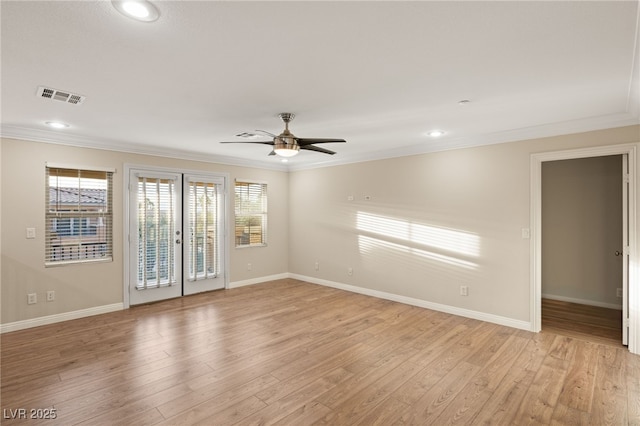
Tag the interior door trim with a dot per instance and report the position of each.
(125, 219)
(535, 278)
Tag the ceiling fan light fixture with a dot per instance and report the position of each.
(286, 151)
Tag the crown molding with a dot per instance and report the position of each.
(131, 148)
(444, 144)
(515, 135)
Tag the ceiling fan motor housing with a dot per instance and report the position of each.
(285, 141)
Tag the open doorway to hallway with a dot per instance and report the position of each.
(582, 248)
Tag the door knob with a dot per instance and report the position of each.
(618, 252)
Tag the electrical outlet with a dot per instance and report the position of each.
(32, 299)
(51, 296)
(350, 271)
(317, 266)
(464, 290)
(619, 292)
(249, 266)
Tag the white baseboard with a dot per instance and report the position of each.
(467, 313)
(582, 301)
(259, 280)
(52, 319)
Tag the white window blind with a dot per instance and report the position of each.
(156, 232)
(78, 216)
(251, 214)
(204, 259)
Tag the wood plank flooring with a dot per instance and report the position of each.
(292, 353)
(592, 323)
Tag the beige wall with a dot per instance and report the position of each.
(434, 222)
(581, 230)
(93, 285)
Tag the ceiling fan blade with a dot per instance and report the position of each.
(317, 149)
(259, 142)
(309, 141)
(264, 132)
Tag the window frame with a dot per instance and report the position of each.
(79, 253)
(242, 210)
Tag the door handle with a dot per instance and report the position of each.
(178, 241)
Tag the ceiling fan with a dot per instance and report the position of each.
(286, 144)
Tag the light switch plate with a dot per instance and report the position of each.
(31, 233)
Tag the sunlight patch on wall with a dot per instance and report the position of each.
(368, 245)
(450, 240)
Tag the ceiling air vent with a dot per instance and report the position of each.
(59, 95)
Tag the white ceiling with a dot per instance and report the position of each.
(378, 74)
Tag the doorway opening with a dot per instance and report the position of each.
(628, 251)
(582, 244)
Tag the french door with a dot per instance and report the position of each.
(176, 234)
(204, 227)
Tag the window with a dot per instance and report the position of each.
(79, 215)
(251, 214)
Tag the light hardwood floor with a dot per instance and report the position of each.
(289, 352)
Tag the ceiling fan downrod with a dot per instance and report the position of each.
(286, 117)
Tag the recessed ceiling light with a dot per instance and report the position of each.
(464, 102)
(56, 124)
(435, 133)
(135, 9)
(140, 10)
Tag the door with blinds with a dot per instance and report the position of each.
(176, 235)
(204, 233)
(155, 236)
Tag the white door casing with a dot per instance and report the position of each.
(182, 282)
(625, 249)
(633, 285)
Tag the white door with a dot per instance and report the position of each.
(155, 235)
(176, 235)
(204, 233)
(625, 249)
